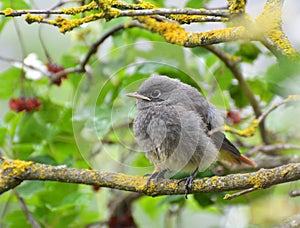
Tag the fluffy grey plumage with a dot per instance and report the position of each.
(171, 126)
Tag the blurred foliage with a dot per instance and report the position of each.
(86, 122)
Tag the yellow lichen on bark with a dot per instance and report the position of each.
(215, 36)
(15, 166)
(281, 41)
(294, 97)
(8, 12)
(66, 25)
(248, 132)
(236, 6)
(12, 169)
(76, 10)
(139, 5)
(268, 24)
(187, 19)
(32, 18)
(170, 31)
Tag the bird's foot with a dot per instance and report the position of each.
(155, 176)
(188, 183)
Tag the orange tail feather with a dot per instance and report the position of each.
(246, 160)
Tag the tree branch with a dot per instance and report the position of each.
(232, 66)
(28, 214)
(13, 172)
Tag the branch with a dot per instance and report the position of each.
(272, 148)
(13, 172)
(81, 68)
(136, 12)
(28, 214)
(270, 31)
(249, 131)
(232, 65)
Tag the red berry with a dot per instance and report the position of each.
(21, 103)
(54, 68)
(32, 104)
(234, 117)
(17, 104)
(96, 188)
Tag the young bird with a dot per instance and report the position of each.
(172, 124)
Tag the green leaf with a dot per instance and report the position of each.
(62, 95)
(103, 121)
(30, 189)
(238, 96)
(10, 81)
(16, 219)
(15, 4)
(44, 159)
(260, 87)
(31, 130)
(207, 199)
(196, 3)
(249, 51)
(3, 22)
(282, 76)
(3, 132)
(223, 76)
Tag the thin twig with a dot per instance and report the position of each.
(163, 12)
(272, 148)
(237, 194)
(291, 98)
(142, 12)
(15, 61)
(294, 193)
(27, 213)
(232, 66)
(4, 210)
(81, 68)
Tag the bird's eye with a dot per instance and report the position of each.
(155, 93)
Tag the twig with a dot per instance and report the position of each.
(131, 13)
(21, 63)
(294, 193)
(249, 131)
(272, 147)
(27, 213)
(232, 65)
(237, 194)
(291, 98)
(4, 210)
(93, 49)
(15, 171)
(262, 160)
(164, 12)
(94, 46)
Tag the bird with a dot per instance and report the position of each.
(172, 126)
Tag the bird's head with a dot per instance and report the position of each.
(155, 89)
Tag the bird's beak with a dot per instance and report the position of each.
(138, 96)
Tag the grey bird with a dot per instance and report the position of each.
(172, 127)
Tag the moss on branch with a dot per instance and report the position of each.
(13, 172)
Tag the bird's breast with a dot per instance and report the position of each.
(157, 127)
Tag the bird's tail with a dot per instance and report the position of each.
(230, 153)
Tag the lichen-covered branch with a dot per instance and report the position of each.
(265, 28)
(249, 131)
(13, 172)
(269, 30)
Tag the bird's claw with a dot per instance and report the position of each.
(155, 176)
(188, 184)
